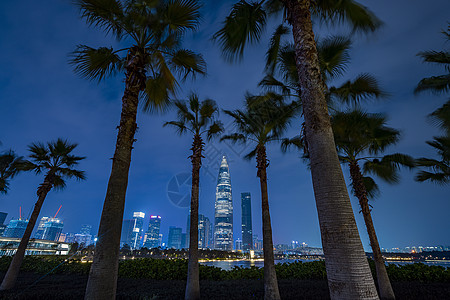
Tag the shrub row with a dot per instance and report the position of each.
(165, 269)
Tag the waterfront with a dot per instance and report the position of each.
(229, 264)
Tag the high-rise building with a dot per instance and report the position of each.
(223, 221)
(52, 229)
(40, 229)
(132, 231)
(204, 231)
(152, 234)
(184, 241)
(16, 228)
(238, 244)
(247, 233)
(174, 238)
(138, 230)
(2, 222)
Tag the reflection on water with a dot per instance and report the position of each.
(229, 264)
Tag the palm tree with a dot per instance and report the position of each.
(56, 160)
(9, 167)
(196, 118)
(151, 32)
(263, 121)
(348, 272)
(437, 170)
(362, 137)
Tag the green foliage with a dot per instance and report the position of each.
(176, 269)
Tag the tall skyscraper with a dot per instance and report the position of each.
(174, 238)
(247, 233)
(127, 232)
(204, 231)
(16, 228)
(40, 229)
(52, 229)
(223, 221)
(138, 230)
(152, 234)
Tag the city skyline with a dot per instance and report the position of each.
(38, 81)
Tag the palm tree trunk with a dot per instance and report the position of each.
(348, 271)
(13, 271)
(102, 282)
(193, 279)
(271, 291)
(384, 285)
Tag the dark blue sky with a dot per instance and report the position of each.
(42, 99)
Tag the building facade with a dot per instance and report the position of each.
(52, 229)
(132, 231)
(174, 238)
(2, 222)
(16, 228)
(204, 232)
(223, 218)
(8, 246)
(151, 239)
(247, 232)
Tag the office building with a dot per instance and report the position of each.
(138, 230)
(247, 233)
(174, 238)
(40, 229)
(223, 217)
(204, 232)
(52, 229)
(132, 231)
(2, 222)
(151, 239)
(16, 228)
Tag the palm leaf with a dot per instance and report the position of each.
(359, 17)
(182, 15)
(106, 14)
(364, 87)
(272, 53)
(435, 84)
(95, 64)
(187, 62)
(245, 24)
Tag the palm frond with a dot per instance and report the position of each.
(95, 64)
(333, 56)
(441, 117)
(439, 178)
(371, 186)
(157, 94)
(182, 15)
(295, 142)
(187, 62)
(435, 84)
(106, 14)
(350, 12)
(250, 155)
(180, 127)
(272, 53)
(439, 57)
(215, 129)
(245, 24)
(234, 138)
(364, 87)
(271, 83)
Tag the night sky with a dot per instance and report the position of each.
(42, 99)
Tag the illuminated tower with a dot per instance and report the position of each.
(152, 234)
(247, 235)
(223, 223)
